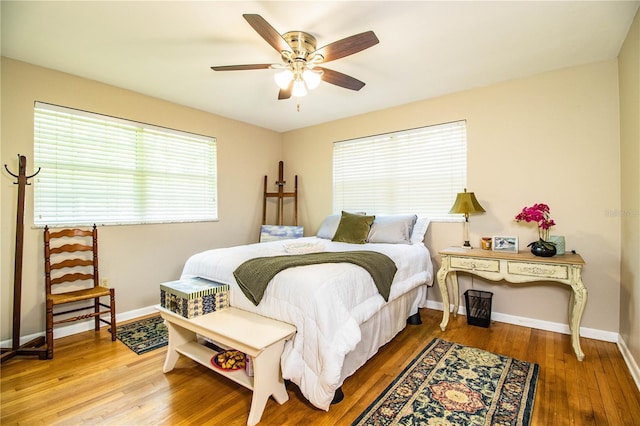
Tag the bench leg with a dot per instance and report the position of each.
(267, 381)
(177, 337)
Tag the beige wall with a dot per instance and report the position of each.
(552, 138)
(135, 258)
(629, 75)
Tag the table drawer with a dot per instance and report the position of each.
(473, 264)
(532, 269)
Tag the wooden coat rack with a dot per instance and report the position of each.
(280, 195)
(36, 346)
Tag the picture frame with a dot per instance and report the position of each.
(504, 244)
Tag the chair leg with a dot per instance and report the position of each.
(49, 329)
(112, 303)
(96, 309)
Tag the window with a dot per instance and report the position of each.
(105, 170)
(412, 171)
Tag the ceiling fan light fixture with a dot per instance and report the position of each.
(283, 78)
(299, 89)
(312, 78)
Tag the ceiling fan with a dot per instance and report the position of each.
(301, 60)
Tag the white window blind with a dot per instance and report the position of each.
(105, 170)
(412, 171)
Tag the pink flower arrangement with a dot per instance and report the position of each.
(538, 213)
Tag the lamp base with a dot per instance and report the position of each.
(467, 245)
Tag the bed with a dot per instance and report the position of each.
(339, 313)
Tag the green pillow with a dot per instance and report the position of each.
(353, 228)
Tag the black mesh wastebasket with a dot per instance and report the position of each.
(478, 307)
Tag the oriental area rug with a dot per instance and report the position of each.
(452, 384)
(143, 335)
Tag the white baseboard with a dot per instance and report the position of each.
(79, 327)
(591, 333)
(631, 363)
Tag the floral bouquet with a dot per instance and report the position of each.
(539, 213)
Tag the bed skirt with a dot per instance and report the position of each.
(382, 327)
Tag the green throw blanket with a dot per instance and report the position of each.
(254, 274)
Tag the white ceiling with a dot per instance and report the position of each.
(427, 48)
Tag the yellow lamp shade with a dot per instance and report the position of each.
(466, 203)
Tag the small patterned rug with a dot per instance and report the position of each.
(144, 335)
(452, 384)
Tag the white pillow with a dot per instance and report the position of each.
(329, 226)
(392, 229)
(420, 229)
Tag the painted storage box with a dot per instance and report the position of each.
(191, 297)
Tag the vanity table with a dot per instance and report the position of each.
(515, 268)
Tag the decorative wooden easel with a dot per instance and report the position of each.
(281, 195)
(36, 346)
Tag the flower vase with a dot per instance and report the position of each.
(542, 248)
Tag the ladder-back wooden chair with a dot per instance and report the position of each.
(72, 279)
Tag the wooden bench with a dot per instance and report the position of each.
(259, 337)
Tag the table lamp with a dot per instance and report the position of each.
(466, 203)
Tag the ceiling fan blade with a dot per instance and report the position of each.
(267, 32)
(242, 67)
(347, 46)
(285, 93)
(340, 79)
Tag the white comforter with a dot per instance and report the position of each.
(325, 302)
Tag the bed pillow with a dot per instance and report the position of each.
(420, 229)
(392, 229)
(329, 226)
(353, 228)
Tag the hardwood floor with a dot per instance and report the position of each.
(92, 380)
